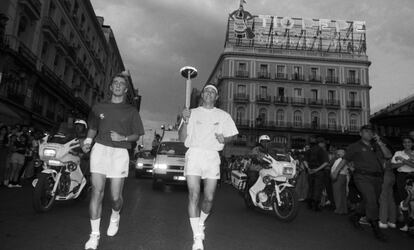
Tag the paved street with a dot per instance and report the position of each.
(158, 220)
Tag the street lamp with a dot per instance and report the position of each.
(189, 73)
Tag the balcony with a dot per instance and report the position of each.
(315, 78)
(353, 81)
(242, 74)
(298, 77)
(262, 99)
(242, 123)
(32, 7)
(281, 100)
(281, 76)
(331, 103)
(354, 104)
(263, 75)
(298, 101)
(332, 80)
(50, 28)
(27, 54)
(241, 98)
(315, 102)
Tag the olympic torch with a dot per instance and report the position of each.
(189, 73)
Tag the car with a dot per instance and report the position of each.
(144, 164)
(169, 164)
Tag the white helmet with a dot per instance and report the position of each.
(264, 137)
(80, 121)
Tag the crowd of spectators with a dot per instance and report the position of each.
(323, 184)
(18, 151)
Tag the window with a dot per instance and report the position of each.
(353, 122)
(352, 97)
(263, 92)
(331, 95)
(281, 92)
(22, 26)
(352, 76)
(297, 73)
(242, 67)
(332, 120)
(241, 90)
(281, 71)
(280, 117)
(297, 118)
(52, 9)
(315, 119)
(44, 50)
(56, 61)
(314, 94)
(297, 92)
(263, 68)
(262, 116)
(331, 77)
(240, 115)
(314, 74)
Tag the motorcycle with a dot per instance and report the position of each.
(61, 178)
(273, 190)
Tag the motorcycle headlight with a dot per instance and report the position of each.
(56, 163)
(140, 164)
(48, 152)
(160, 166)
(287, 171)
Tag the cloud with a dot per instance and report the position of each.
(157, 37)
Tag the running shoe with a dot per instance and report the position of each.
(363, 221)
(198, 243)
(113, 227)
(93, 242)
(392, 225)
(382, 225)
(404, 228)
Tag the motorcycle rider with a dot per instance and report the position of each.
(258, 152)
(80, 130)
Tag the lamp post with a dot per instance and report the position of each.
(189, 73)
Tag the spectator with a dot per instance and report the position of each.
(339, 184)
(3, 153)
(403, 161)
(316, 159)
(388, 209)
(407, 205)
(17, 160)
(302, 184)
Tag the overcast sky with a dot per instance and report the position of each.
(157, 37)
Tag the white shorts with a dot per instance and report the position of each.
(203, 163)
(109, 161)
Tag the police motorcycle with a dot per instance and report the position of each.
(62, 178)
(273, 191)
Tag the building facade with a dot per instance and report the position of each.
(56, 60)
(278, 76)
(395, 120)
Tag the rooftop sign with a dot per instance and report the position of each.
(266, 31)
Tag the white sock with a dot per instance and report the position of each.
(95, 226)
(194, 225)
(203, 218)
(115, 215)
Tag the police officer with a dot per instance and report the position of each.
(316, 159)
(368, 156)
(258, 152)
